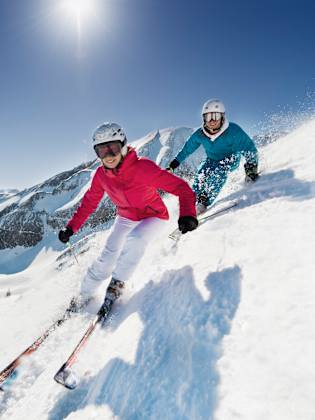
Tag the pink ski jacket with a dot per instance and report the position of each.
(132, 187)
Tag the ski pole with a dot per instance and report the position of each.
(72, 252)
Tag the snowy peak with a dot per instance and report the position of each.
(150, 148)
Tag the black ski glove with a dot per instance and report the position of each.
(173, 165)
(251, 172)
(65, 234)
(187, 223)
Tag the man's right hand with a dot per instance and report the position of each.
(65, 234)
(173, 165)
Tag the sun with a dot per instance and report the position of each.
(79, 9)
(79, 23)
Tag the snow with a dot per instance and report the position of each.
(6, 194)
(8, 201)
(218, 326)
(74, 200)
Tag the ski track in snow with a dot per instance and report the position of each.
(218, 326)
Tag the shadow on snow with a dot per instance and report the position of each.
(174, 375)
(274, 185)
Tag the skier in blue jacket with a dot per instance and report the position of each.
(225, 143)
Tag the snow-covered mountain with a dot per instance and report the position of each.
(217, 327)
(5, 193)
(26, 215)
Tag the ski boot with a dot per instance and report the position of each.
(200, 208)
(201, 205)
(113, 292)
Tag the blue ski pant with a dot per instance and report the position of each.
(211, 176)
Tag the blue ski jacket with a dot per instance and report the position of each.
(233, 141)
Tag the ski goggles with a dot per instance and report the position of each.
(215, 116)
(104, 150)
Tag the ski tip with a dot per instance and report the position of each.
(67, 378)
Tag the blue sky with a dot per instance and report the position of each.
(145, 64)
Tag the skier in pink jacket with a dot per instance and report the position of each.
(131, 183)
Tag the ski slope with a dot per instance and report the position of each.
(218, 326)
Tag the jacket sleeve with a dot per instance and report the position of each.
(189, 147)
(89, 203)
(246, 147)
(168, 182)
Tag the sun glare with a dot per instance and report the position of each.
(79, 23)
(79, 9)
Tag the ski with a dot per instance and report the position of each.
(10, 372)
(204, 218)
(65, 376)
(176, 234)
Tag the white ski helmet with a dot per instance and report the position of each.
(213, 105)
(108, 132)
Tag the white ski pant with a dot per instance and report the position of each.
(122, 252)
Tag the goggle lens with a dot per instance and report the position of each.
(108, 149)
(215, 116)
